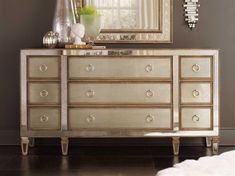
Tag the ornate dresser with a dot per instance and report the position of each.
(119, 93)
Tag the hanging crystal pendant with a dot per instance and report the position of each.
(191, 12)
(64, 17)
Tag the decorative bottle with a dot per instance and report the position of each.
(64, 17)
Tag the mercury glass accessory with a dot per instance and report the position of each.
(50, 39)
(64, 18)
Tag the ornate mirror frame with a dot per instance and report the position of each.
(162, 35)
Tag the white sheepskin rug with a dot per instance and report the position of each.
(221, 165)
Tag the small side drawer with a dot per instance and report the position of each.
(120, 68)
(120, 118)
(196, 119)
(196, 67)
(120, 93)
(43, 93)
(44, 118)
(196, 93)
(43, 67)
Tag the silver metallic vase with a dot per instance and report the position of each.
(63, 19)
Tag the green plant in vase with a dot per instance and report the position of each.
(92, 20)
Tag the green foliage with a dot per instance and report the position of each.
(88, 10)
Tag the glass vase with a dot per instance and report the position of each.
(93, 25)
(64, 17)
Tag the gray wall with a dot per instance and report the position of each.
(23, 23)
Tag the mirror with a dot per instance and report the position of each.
(134, 21)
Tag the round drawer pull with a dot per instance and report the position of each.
(44, 118)
(90, 93)
(196, 93)
(43, 68)
(149, 118)
(90, 68)
(149, 68)
(196, 68)
(90, 119)
(195, 118)
(44, 93)
(149, 93)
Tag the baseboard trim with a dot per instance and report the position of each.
(12, 137)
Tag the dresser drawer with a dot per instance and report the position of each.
(123, 118)
(117, 93)
(196, 93)
(123, 68)
(43, 67)
(44, 118)
(196, 118)
(43, 93)
(196, 67)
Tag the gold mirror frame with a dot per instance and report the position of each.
(162, 35)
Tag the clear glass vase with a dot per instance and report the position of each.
(93, 25)
(64, 17)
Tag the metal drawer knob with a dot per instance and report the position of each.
(44, 118)
(90, 93)
(196, 93)
(149, 118)
(90, 119)
(149, 68)
(196, 68)
(149, 93)
(195, 118)
(44, 93)
(43, 68)
(90, 68)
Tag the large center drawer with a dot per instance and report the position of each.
(120, 118)
(123, 68)
(120, 93)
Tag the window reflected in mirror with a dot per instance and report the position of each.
(126, 15)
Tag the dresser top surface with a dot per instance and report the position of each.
(119, 52)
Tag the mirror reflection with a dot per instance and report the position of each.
(128, 15)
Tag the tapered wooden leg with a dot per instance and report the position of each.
(64, 145)
(208, 152)
(208, 141)
(31, 142)
(176, 145)
(24, 145)
(175, 160)
(215, 145)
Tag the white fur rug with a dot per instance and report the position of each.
(221, 165)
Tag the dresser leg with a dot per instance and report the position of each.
(64, 145)
(175, 160)
(31, 142)
(208, 141)
(215, 145)
(24, 145)
(176, 145)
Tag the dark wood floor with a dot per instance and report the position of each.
(94, 161)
